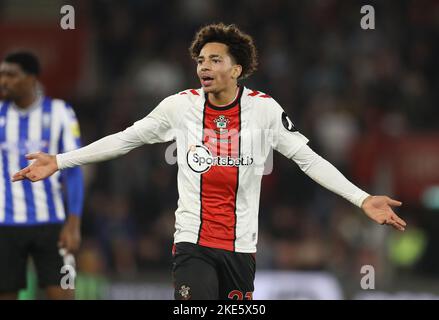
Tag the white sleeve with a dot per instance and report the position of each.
(157, 126)
(286, 139)
(325, 174)
(107, 148)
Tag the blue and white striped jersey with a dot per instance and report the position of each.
(49, 126)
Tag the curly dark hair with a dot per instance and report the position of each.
(240, 45)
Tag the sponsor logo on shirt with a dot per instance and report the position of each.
(200, 159)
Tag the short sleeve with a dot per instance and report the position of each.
(286, 138)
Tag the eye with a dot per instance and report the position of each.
(216, 60)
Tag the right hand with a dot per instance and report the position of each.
(43, 166)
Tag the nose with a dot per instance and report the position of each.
(205, 65)
(205, 69)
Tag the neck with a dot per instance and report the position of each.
(26, 101)
(225, 97)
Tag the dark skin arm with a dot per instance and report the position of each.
(70, 236)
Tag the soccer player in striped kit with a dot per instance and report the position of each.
(224, 132)
(33, 220)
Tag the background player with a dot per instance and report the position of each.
(33, 220)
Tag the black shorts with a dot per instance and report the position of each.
(202, 273)
(17, 244)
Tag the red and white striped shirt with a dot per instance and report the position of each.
(221, 156)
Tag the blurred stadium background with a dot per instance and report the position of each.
(367, 99)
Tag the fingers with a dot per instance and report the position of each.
(73, 247)
(32, 156)
(64, 242)
(21, 175)
(396, 225)
(26, 173)
(61, 243)
(399, 220)
(31, 177)
(18, 177)
(396, 222)
(68, 244)
(394, 203)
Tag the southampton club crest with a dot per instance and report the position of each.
(221, 124)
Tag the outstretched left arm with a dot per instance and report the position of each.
(378, 208)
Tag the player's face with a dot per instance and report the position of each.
(216, 69)
(14, 82)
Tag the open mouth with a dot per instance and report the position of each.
(206, 81)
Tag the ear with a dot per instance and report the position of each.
(236, 71)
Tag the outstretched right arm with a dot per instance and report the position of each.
(109, 147)
(155, 127)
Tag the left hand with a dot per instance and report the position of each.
(70, 236)
(378, 208)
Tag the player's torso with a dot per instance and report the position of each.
(221, 155)
(23, 132)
